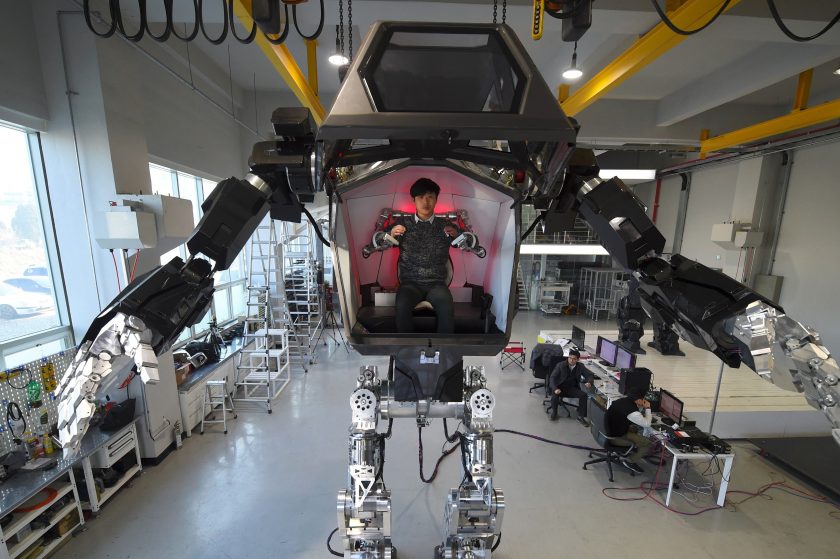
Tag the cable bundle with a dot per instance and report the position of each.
(117, 23)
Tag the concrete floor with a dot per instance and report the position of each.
(268, 488)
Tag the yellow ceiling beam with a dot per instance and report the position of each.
(312, 64)
(803, 90)
(645, 50)
(284, 63)
(787, 123)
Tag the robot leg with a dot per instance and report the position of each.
(474, 510)
(364, 508)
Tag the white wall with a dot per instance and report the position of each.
(808, 255)
(22, 98)
(710, 202)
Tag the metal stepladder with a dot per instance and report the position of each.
(263, 367)
(302, 291)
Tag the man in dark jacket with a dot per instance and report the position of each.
(566, 381)
(424, 253)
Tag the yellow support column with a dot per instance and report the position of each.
(787, 123)
(562, 92)
(284, 63)
(704, 135)
(803, 90)
(645, 50)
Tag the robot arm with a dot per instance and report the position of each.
(145, 319)
(705, 307)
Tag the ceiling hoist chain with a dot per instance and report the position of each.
(496, 11)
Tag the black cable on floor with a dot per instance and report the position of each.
(334, 552)
(558, 443)
(498, 541)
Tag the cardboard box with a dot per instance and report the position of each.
(182, 373)
(70, 521)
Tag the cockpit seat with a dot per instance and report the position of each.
(469, 319)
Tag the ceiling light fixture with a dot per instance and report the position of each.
(573, 73)
(837, 71)
(628, 174)
(338, 58)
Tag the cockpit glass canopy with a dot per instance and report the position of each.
(437, 70)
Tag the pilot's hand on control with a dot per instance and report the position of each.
(397, 230)
(557, 391)
(450, 231)
(588, 385)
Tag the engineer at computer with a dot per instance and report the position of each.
(568, 380)
(628, 418)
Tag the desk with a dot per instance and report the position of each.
(102, 450)
(606, 384)
(680, 455)
(551, 336)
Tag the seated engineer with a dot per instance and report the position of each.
(424, 254)
(565, 382)
(623, 419)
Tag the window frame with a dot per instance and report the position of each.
(64, 330)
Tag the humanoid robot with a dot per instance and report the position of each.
(486, 125)
(631, 319)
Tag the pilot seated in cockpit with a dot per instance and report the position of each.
(423, 265)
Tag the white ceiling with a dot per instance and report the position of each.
(742, 59)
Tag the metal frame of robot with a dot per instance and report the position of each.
(706, 308)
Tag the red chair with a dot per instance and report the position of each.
(513, 354)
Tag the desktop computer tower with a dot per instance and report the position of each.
(633, 378)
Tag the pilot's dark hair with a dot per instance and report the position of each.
(637, 392)
(424, 186)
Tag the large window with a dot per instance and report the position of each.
(33, 319)
(229, 299)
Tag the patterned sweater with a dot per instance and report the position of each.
(424, 250)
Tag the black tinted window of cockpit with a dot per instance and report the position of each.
(443, 72)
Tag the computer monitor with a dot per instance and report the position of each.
(607, 351)
(670, 406)
(578, 337)
(624, 359)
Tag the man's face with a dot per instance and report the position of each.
(572, 359)
(425, 204)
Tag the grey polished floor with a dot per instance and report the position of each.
(268, 488)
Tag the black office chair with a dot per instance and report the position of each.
(615, 448)
(540, 371)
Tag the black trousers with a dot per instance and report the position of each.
(570, 392)
(409, 294)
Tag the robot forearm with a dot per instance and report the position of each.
(708, 308)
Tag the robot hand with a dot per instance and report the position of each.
(143, 321)
(122, 344)
(790, 355)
